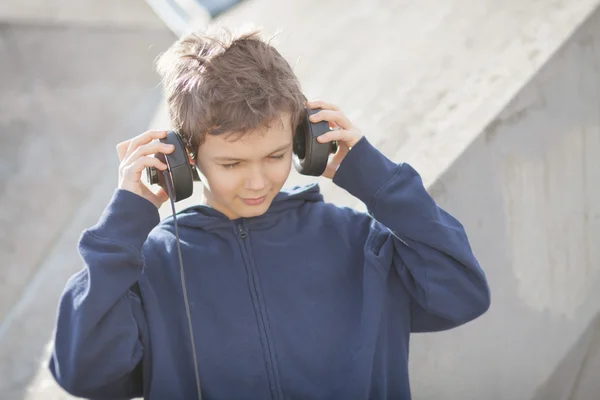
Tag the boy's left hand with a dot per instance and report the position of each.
(344, 132)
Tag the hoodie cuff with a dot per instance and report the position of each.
(128, 219)
(364, 171)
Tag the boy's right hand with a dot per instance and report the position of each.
(135, 155)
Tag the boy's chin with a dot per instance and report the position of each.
(254, 211)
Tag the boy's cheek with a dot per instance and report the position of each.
(282, 172)
(226, 185)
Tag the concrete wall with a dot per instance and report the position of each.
(68, 93)
(108, 13)
(528, 192)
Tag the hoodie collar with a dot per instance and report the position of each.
(205, 217)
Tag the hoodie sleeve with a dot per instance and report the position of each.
(97, 348)
(432, 254)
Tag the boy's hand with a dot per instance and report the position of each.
(135, 155)
(346, 134)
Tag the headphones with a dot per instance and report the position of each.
(310, 157)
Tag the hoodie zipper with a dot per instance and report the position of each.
(260, 311)
(242, 233)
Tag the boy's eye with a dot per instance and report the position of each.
(236, 164)
(232, 165)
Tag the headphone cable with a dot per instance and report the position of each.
(183, 285)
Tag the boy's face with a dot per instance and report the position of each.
(241, 176)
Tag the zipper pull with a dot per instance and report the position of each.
(242, 232)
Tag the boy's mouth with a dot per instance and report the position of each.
(254, 201)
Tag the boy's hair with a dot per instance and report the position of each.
(221, 82)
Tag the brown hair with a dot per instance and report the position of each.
(221, 82)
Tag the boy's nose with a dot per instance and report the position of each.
(256, 181)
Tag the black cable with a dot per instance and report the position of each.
(183, 285)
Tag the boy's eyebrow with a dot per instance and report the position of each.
(280, 148)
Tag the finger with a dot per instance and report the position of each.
(144, 138)
(341, 135)
(122, 149)
(149, 149)
(322, 104)
(332, 116)
(133, 172)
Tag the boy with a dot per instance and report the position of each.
(290, 297)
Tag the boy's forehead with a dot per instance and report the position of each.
(251, 144)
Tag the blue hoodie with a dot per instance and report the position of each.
(308, 301)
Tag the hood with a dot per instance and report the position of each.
(202, 216)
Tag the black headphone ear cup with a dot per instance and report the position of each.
(179, 172)
(156, 177)
(299, 145)
(310, 155)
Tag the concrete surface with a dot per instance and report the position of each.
(497, 106)
(108, 13)
(575, 377)
(181, 15)
(68, 94)
(527, 190)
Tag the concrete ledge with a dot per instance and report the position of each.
(527, 191)
(107, 13)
